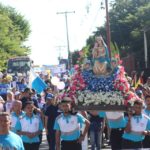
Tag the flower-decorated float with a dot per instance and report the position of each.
(100, 84)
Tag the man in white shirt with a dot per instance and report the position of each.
(137, 127)
(68, 128)
(30, 127)
(8, 139)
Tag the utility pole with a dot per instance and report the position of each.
(59, 51)
(146, 29)
(108, 28)
(68, 46)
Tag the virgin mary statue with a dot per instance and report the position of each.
(100, 57)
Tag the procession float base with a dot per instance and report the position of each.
(100, 108)
(100, 83)
(105, 101)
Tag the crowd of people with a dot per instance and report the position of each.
(25, 115)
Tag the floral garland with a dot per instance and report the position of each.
(87, 89)
(130, 97)
(121, 82)
(87, 98)
(77, 83)
(101, 83)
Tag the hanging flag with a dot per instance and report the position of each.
(36, 83)
(115, 52)
(140, 80)
(141, 77)
(134, 80)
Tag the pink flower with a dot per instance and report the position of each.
(73, 88)
(120, 62)
(76, 67)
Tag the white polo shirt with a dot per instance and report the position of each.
(29, 124)
(14, 119)
(139, 124)
(69, 126)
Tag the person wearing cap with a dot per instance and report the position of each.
(8, 139)
(30, 127)
(50, 115)
(48, 101)
(68, 128)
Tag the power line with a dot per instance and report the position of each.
(66, 19)
(59, 48)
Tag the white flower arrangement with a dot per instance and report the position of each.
(132, 100)
(87, 98)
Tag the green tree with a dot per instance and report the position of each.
(14, 31)
(127, 20)
(75, 57)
